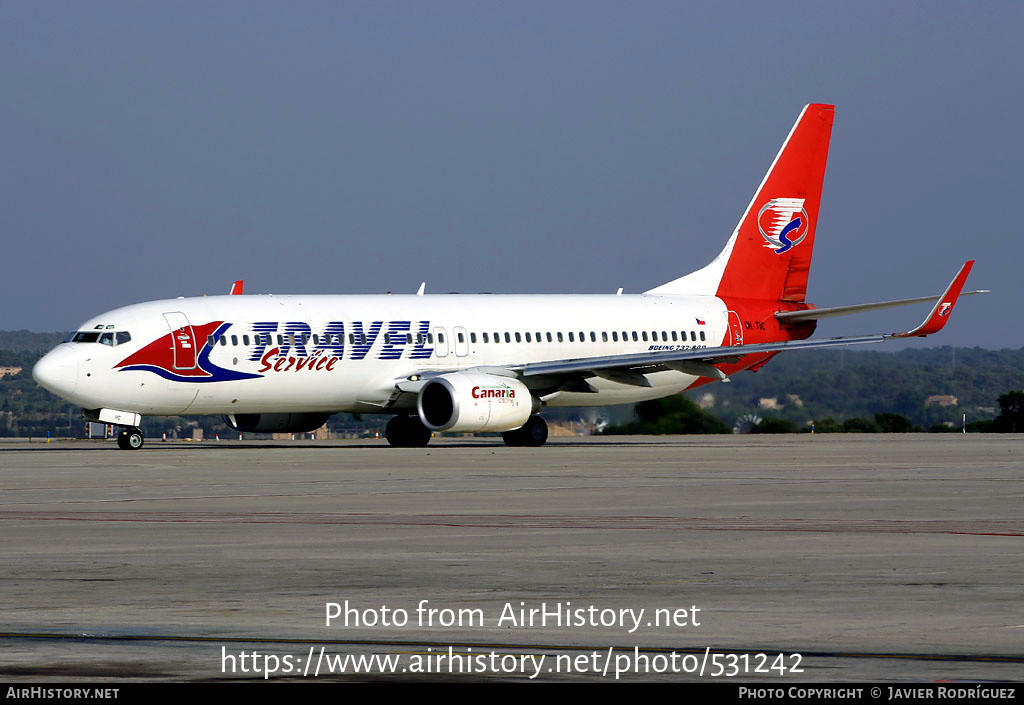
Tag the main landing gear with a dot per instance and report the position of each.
(130, 439)
(407, 432)
(533, 434)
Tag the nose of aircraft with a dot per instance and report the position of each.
(57, 371)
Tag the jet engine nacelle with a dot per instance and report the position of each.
(473, 401)
(276, 423)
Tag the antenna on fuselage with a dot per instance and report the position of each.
(423, 287)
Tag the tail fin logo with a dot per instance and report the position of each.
(783, 223)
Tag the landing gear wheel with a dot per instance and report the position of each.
(407, 432)
(130, 439)
(533, 434)
(514, 439)
(536, 432)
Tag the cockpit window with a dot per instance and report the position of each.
(106, 338)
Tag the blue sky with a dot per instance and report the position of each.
(158, 150)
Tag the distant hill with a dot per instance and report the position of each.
(26, 341)
(22, 348)
(860, 383)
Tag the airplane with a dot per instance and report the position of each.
(474, 363)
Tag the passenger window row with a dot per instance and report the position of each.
(329, 339)
(583, 336)
(428, 338)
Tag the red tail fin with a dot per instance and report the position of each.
(769, 254)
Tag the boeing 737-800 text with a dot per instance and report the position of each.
(472, 363)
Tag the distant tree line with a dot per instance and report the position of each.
(678, 415)
(669, 415)
(848, 384)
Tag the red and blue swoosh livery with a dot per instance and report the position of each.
(159, 358)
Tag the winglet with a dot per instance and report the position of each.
(943, 307)
(236, 288)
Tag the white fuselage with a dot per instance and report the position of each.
(346, 353)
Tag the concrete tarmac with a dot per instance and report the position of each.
(850, 557)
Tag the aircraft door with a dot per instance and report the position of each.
(183, 340)
(461, 341)
(440, 342)
(735, 329)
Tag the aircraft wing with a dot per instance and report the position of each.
(571, 374)
(667, 359)
(815, 314)
(630, 368)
